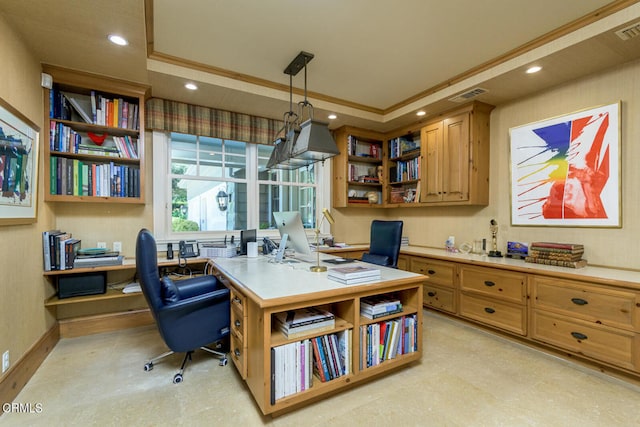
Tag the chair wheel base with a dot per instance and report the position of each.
(223, 362)
(148, 367)
(177, 378)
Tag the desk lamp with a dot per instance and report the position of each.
(325, 214)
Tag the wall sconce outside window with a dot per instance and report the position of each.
(223, 200)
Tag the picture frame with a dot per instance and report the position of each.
(19, 147)
(565, 171)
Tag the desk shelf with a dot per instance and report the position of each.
(110, 294)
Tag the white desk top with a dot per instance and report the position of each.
(269, 281)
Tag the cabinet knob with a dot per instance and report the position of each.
(489, 283)
(489, 310)
(236, 352)
(579, 336)
(431, 272)
(237, 300)
(237, 323)
(431, 294)
(579, 301)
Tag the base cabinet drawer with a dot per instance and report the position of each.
(610, 345)
(494, 283)
(439, 272)
(238, 354)
(439, 298)
(503, 315)
(596, 304)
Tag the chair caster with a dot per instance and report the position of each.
(223, 362)
(177, 378)
(148, 366)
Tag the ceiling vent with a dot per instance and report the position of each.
(629, 32)
(468, 95)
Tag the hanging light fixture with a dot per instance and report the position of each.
(305, 143)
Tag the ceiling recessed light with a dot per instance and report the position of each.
(120, 41)
(191, 86)
(332, 117)
(421, 113)
(533, 69)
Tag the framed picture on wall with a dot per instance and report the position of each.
(18, 167)
(565, 171)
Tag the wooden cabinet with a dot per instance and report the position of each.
(495, 297)
(356, 170)
(457, 157)
(94, 147)
(238, 319)
(589, 319)
(404, 160)
(439, 290)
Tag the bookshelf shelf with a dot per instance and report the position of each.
(87, 114)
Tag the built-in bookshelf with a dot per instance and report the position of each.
(405, 169)
(359, 179)
(93, 149)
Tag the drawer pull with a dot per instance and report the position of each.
(431, 294)
(579, 336)
(236, 352)
(579, 301)
(489, 310)
(489, 283)
(237, 300)
(237, 323)
(431, 272)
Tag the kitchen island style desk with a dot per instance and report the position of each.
(260, 289)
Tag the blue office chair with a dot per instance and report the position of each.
(190, 314)
(384, 245)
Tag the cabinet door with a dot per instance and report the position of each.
(432, 141)
(455, 167)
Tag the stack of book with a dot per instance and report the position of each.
(376, 306)
(387, 340)
(558, 254)
(304, 321)
(354, 274)
(97, 257)
(59, 250)
(331, 356)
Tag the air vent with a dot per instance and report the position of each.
(468, 95)
(629, 32)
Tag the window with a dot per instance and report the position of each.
(209, 187)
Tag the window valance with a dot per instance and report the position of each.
(174, 116)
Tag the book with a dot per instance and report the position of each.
(46, 248)
(559, 263)
(553, 245)
(81, 104)
(293, 319)
(562, 256)
(355, 281)
(353, 272)
(98, 262)
(382, 314)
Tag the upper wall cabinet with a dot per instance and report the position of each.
(94, 150)
(442, 161)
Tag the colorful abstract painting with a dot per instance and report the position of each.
(565, 171)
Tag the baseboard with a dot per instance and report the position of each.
(21, 372)
(87, 325)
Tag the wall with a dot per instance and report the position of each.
(603, 246)
(23, 319)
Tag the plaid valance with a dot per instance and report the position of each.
(179, 117)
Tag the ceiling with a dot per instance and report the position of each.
(376, 62)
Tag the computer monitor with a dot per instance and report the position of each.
(290, 223)
(246, 236)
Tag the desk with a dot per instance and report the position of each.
(260, 289)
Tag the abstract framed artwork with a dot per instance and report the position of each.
(565, 171)
(18, 167)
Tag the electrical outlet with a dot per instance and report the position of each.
(117, 246)
(5, 361)
(102, 245)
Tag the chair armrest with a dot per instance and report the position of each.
(189, 288)
(189, 305)
(376, 259)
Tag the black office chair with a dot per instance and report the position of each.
(384, 245)
(190, 313)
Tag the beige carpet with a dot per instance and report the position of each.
(467, 377)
